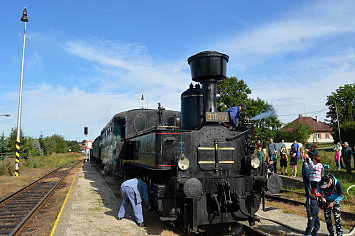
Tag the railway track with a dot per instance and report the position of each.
(347, 216)
(17, 208)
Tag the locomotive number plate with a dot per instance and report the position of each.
(217, 116)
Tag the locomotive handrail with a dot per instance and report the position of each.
(236, 136)
(153, 128)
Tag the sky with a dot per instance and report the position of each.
(87, 60)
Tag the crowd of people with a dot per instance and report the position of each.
(272, 156)
(321, 191)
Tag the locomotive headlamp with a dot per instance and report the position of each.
(183, 162)
(255, 162)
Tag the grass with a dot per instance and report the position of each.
(7, 166)
(327, 156)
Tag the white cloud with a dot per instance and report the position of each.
(129, 63)
(122, 74)
(298, 59)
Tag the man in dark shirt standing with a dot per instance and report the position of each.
(347, 153)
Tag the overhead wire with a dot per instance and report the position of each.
(311, 112)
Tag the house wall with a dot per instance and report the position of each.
(320, 137)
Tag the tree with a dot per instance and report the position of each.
(347, 132)
(75, 148)
(344, 99)
(264, 118)
(3, 146)
(231, 92)
(11, 144)
(61, 144)
(297, 130)
(37, 150)
(49, 145)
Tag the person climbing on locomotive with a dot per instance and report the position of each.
(134, 190)
(234, 113)
(332, 192)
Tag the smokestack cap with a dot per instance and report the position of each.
(208, 65)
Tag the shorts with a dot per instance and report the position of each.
(293, 161)
(283, 163)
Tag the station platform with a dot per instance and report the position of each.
(91, 209)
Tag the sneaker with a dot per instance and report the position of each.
(119, 218)
(140, 224)
(286, 174)
(282, 174)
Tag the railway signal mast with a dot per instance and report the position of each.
(86, 141)
(17, 163)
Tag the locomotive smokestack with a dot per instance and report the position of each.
(208, 68)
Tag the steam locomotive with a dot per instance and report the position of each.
(198, 170)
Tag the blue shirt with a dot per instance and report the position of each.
(140, 188)
(233, 115)
(260, 155)
(334, 192)
(297, 146)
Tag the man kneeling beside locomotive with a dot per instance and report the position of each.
(134, 190)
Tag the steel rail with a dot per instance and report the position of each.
(253, 231)
(24, 206)
(30, 184)
(39, 204)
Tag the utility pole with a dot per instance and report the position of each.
(336, 109)
(17, 163)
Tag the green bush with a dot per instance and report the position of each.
(7, 166)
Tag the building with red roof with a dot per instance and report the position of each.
(321, 131)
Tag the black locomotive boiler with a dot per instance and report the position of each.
(199, 172)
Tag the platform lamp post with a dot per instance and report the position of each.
(142, 98)
(17, 163)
